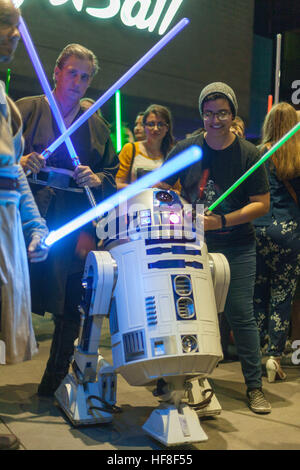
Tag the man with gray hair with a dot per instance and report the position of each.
(19, 217)
(58, 190)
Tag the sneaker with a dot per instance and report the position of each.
(257, 402)
(9, 442)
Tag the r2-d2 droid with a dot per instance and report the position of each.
(162, 291)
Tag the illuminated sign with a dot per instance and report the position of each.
(132, 12)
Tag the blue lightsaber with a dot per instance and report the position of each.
(52, 102)
(182, 160)
(118, 85)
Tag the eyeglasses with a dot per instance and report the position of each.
(159, 125)
(222, 115)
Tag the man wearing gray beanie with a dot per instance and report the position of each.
(228, 229)
(220, 89)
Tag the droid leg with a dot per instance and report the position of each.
(201, 397)
(88, 394)
(174, 422)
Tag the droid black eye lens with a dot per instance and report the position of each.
(164, 196)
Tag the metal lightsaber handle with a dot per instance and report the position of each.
(90, 196)
(277, 69)
(88, 190)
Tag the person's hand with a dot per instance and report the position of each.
(84, 176)
(36, 250)
(212, 221)
(33, 162)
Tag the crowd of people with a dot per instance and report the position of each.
(257, 227)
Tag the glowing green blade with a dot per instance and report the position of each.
(8, 80)
(249, 172)
(118, 121)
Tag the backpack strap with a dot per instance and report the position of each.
(131, 163)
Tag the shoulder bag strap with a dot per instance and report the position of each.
(131, 163)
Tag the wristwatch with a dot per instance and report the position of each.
(223, 219)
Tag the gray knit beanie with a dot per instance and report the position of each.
(219, 87)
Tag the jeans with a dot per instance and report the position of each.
(239, 309)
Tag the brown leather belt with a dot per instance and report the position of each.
(9, 183)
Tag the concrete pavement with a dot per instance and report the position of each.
(41, 425)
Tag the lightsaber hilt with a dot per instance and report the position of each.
(88, 190)
(90, 196)
(277, 69)
(46, 154)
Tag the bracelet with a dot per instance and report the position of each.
(223, 219)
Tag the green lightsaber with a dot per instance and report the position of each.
(8, 80)
(118, 121)
(251, 170)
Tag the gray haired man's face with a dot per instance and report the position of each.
(9, 35)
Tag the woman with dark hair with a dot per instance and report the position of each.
(278, 238)
(139, 158)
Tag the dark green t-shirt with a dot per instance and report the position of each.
(205, 181)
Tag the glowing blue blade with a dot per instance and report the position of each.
(46, 87)
(182, 160)
(118, 85)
